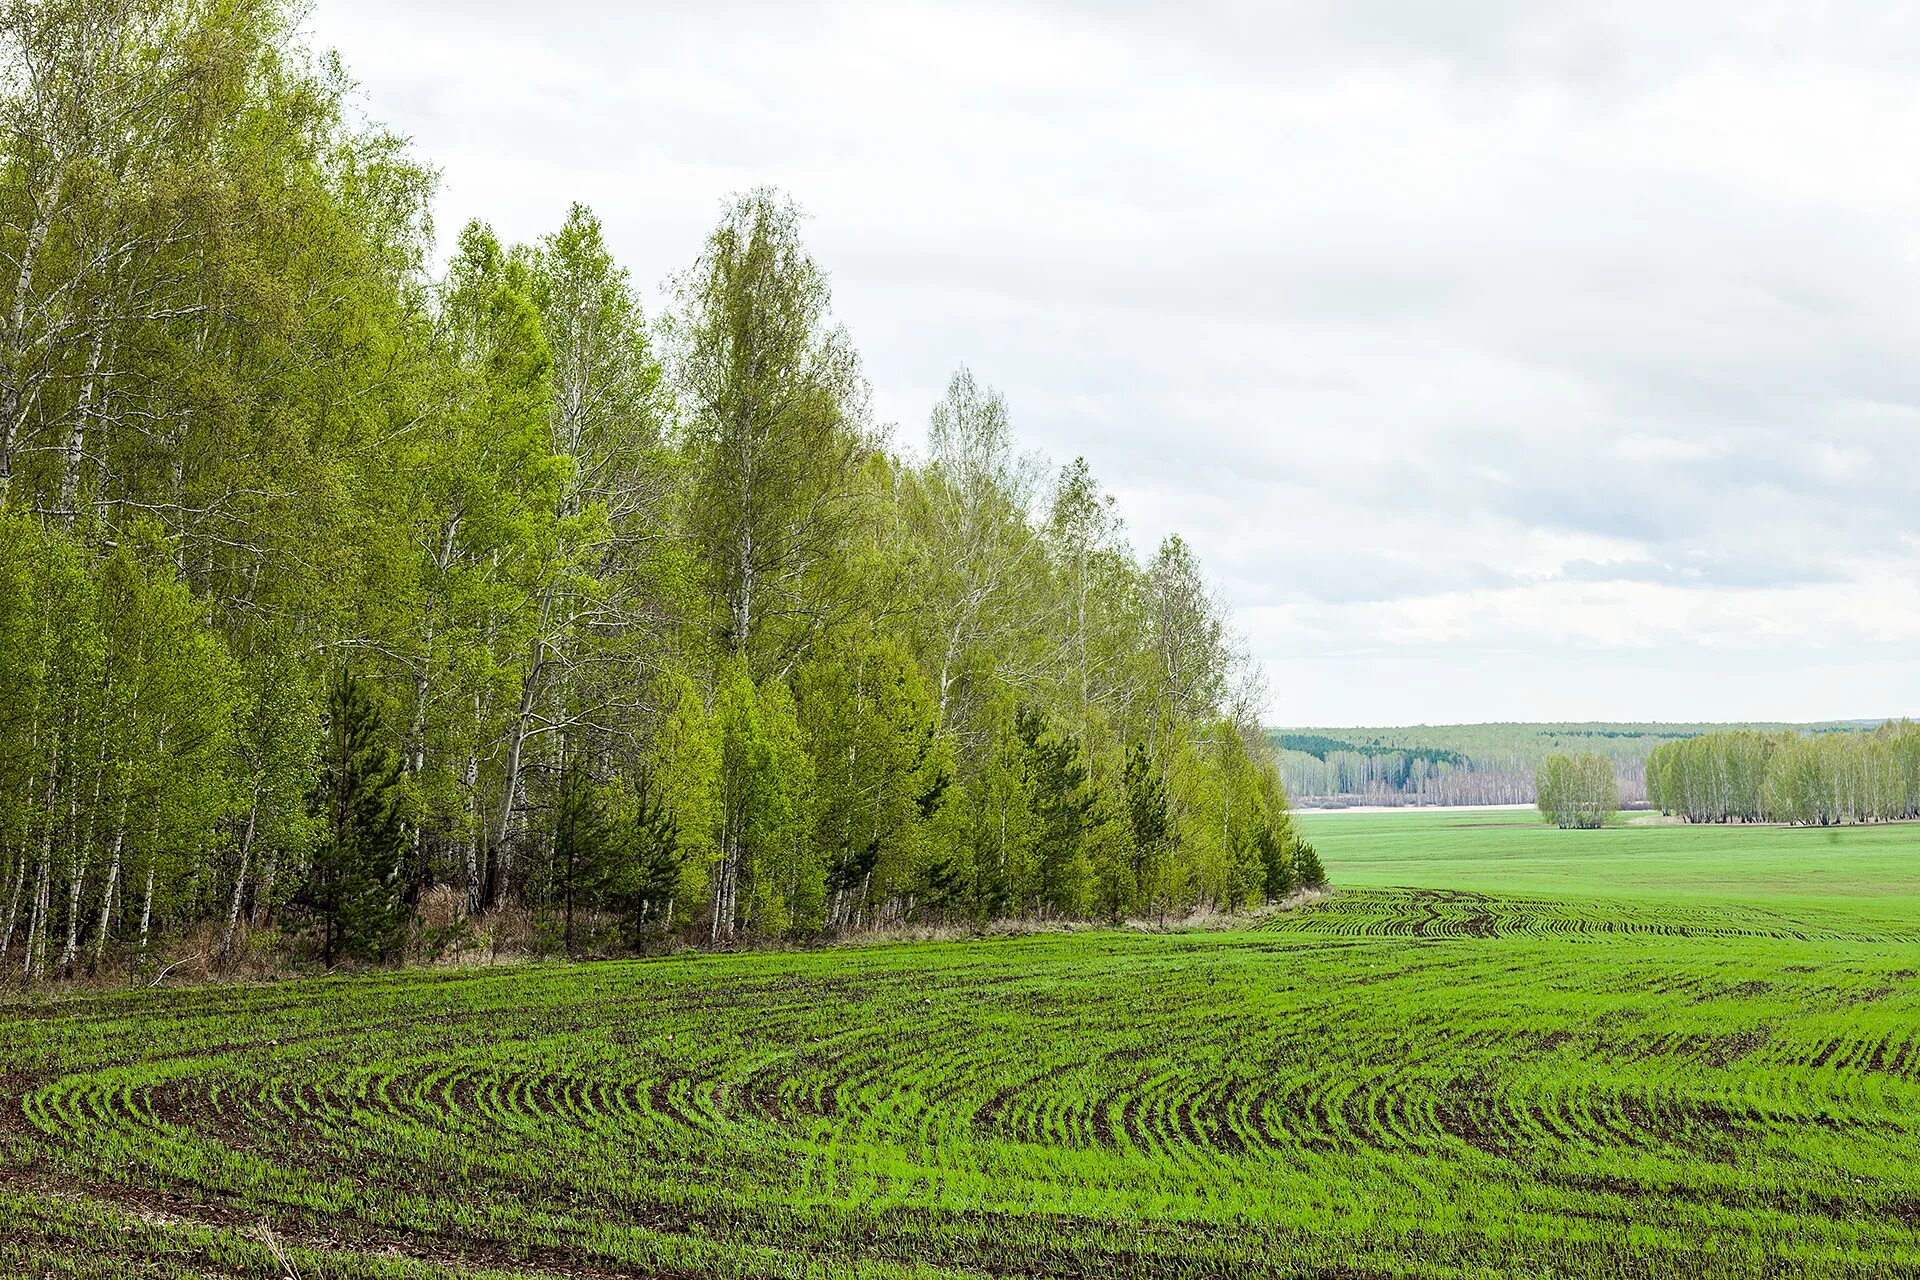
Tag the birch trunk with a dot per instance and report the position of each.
(70, 952)
(146, 911)
(263, 891)
(517, 742)
(34, 965)
(13, 908)
(239, 881)
(74, 450)
(12, 394)
(113, 885)
(476, 886)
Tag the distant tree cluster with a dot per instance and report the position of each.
(325, 584)
(1806, 779)
(1577, 792)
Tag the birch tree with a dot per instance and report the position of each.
(979, 548)
(775, 433)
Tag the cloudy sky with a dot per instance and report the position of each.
(1504, 361)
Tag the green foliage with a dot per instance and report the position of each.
(585, 844)
(118, 740)
(1577, 791)
(770, 878)
(1149, 814)
(654, 623)
(869, 724)
(1308, 872)
(775, 431)
(1320, 747)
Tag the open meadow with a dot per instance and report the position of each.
(1497, 1049)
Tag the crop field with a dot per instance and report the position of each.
(1495, 1050)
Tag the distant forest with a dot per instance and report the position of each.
(1468, 764)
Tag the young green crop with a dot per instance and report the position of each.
(1500, 1054)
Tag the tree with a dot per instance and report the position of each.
(585, 842)
(1004, 826)
(1307, 862)
(775, 434)
(1188, 637)
(1279, 862)
(476, 497)
(598, 571)
(1152, 824)
(970, 514)
(1815, 779)
(651, 860)
(686, 770)
(1577, 791)
(361, 865)
(769, 877)
(1062, 805)
(870, 729)
(113, 207)
(1097, 628)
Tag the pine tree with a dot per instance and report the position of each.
(651, 858)
(1306, 864)
(1062, 802)
(584, 842)
(1152, 828)
(359, 871)
(1278, 861)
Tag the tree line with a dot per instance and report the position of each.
(1476, 764)
(328, 583)
(1808, 779)
(1415, 776)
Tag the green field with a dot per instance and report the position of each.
(1497, 1050)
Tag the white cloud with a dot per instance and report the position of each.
(1501, 361)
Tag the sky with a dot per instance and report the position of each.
(1501, 360)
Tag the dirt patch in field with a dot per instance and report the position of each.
(1724, 1051)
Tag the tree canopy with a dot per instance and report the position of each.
(328, 582)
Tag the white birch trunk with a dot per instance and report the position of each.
(12, 394)
(240, 881)
(146, 911)
(470, 776)
(13, 907)
(34, 965)
(113, 884)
